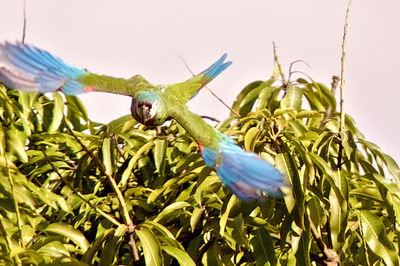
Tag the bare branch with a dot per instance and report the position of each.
(284, 80)
(125, 212)
(210, 118)
(292, 64)
(76, 192)
(24, 27)
(342, 81)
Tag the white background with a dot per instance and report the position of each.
(123, 38)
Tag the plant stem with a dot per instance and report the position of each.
(120, 197)
(330, 256)
(125, 213)
(342, 81)
(101, 212)
(24, 25)
(284, 81)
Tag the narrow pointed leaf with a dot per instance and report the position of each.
(374, 234)
(181, 256)
(151, 247)
(69, 232)
(58, 112)
(263, 247)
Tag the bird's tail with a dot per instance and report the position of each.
(25, 67)
(210, 73)
(247, 174)
(215, 69)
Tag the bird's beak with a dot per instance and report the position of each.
(144, 113)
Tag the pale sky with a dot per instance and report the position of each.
(124, 38)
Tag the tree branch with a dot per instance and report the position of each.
(24, 27)
(331, 258)
(342, 81)
(125, 213)
(101, 212)
(284, 80)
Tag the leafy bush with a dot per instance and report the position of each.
(75, 191)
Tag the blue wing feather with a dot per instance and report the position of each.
(29, 68)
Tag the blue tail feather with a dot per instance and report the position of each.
(246, 173)
(216, 68)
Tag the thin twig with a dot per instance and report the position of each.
(101, 212)
(328, 112)
(24, 27)
(132, 245)
(212, 93)
(102, 168)
(342, 81)
(291, 66)
(284, 80)
(210, 118)
(125, 213)
(115, 143)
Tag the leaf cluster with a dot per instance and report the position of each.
(57, 204)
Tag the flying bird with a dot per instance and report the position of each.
(28, 68)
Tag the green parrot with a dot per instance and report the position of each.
(28, 68)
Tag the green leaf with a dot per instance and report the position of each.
(58, 112)
(75, 102)
(171, 209)
(338, 216)
(107, 161)
(238, 232)
(264, 97)
(248, 96)
(295, 197)
(15, 142)
(121, 124)
(331, 177)
(196, 216)
(162, 233)
(181, 256)
(151, 247)
(96, 246)
(111, 249)
(263, 245)
(224, 217)
(293, 98)
(160, 148)
(393, 168)
(251, 138)
(68, 232)
(374, 234)
(302, 245)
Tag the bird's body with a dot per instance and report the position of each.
(28, 68)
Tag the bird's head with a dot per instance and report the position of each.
(148, 108)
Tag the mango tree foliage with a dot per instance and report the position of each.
(58, 206)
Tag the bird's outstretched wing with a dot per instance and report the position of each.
(25, 67)
(246, 173)
(189, 88)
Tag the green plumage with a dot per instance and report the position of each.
(128, 87)
(248, 176)
(172, 103)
